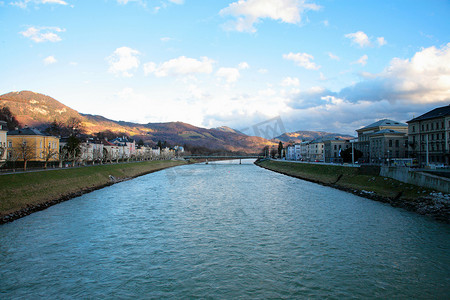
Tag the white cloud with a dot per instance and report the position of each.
(123, 61)
(290, 81)
(24, 4)
(54, 2)
(125, 2)
(263, 71)
(381, 41)
(243, 66)
(149, 68)
(196, 92)
(405, 87)
(249, 12)
(50, 60)
(332, 56)
(302, 59)
(425, 78)
(180, 66)
(362, 60)
(362, 40)
(359, 38)
(229, 74)
(43, 34)
(165, 39)
(177, 1)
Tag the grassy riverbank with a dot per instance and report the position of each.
(24, 193)
(371, 186)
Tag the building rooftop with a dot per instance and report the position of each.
(26, 131)
(435, 113)
(384, 122)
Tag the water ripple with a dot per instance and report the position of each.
(223, 231)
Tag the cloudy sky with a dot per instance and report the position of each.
(317, 65)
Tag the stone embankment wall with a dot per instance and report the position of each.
(427, 180)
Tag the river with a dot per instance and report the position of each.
(223, 231)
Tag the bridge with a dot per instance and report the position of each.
(212, 157)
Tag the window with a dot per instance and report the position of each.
(427, 127)
(335, 147)
(432, 126)
(414, 128)
(397, 143)
(10, 144)
(390, 143)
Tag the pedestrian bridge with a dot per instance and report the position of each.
(222, 156)
(213, 157)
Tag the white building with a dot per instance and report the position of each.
(304, 150)
(293, 152)
(91, 151)
(315, 150)
(127, 148)
(3, 140)
(111, 151)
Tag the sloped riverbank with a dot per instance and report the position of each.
(25, 193)
(369, 185)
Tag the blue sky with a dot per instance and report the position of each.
(318, 65)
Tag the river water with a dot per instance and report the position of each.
(223, 231)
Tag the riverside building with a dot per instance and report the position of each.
(429, 137)
(383, 140)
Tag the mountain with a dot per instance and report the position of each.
(38, 110)
(299, 136)
(228, 129)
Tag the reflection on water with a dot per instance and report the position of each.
(223, 230)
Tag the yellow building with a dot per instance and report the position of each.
(29, 144)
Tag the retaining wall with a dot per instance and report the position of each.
(417, 178)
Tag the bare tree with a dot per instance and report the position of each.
(97, 155)
(49, 154)
(108, 155)
(2, 152)
(73, 149)
(26, 152)
(12, 156)
(62, 156)
(74, 126)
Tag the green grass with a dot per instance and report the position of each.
(348, 178)
(28, 189)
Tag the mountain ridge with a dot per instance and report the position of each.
(309, 135)
(39, 110)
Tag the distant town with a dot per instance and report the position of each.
(422, 141)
